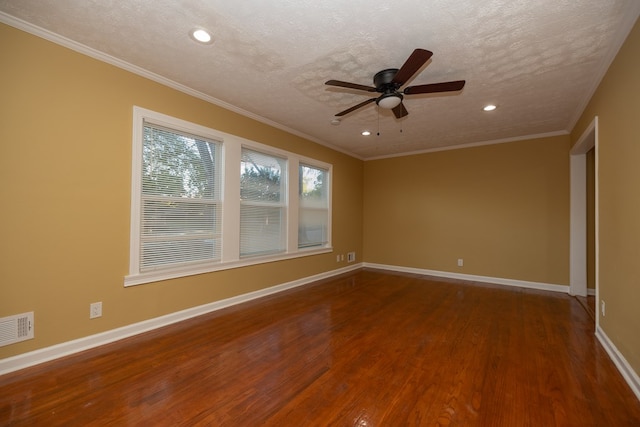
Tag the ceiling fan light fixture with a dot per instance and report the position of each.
(389, 101)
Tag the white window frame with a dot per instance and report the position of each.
(231, 154)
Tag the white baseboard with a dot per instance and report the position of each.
(591, 292)
(472, 278)
(46, 354)
(630, 376)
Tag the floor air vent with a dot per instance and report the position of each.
(16, 328)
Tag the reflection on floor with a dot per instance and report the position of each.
(589, 304)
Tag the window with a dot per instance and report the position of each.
(313, 214)
(181, 206)
(262, 203)
(203, 200)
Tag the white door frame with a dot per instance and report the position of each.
(578, 208)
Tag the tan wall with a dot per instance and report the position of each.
(65, 165)
(502, 208)
(616, 102)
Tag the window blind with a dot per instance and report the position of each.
(181, 200)
(313, 210)
(262, 203)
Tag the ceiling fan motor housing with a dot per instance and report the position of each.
(383, 80)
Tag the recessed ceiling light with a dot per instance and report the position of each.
(366, 133)
(489, 107)
(201, 36)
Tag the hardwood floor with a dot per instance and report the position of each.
(589, 304)
(368, 348)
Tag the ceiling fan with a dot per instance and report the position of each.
(388, 82)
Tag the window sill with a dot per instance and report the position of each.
(173, 273)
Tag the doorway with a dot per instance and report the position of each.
(579, 261)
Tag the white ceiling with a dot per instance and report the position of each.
(539, 60)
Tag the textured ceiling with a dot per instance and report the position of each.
(539, 61)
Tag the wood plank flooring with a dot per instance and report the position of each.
(368, 348)
(589, 304)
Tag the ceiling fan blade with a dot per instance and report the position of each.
(435, 87)
(350, 85)
(355, 107)
(416, 60)
(400, 111)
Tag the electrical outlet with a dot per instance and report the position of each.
(341, 257)
(337, 258)
(460, 262)
(95, 310)
(602, 307)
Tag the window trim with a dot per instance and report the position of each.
(231, 153)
